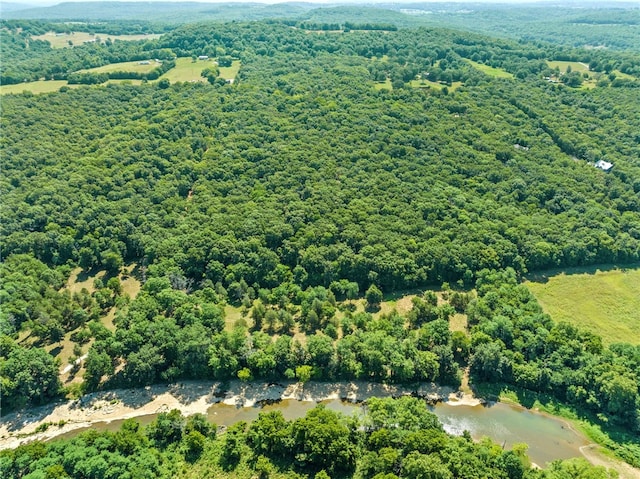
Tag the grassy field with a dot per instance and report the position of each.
(41, 86)
(624, 76)
(125, 82)
(562, 66)
(230, 73)
(604, 302)
(431, 84)
(383, 85)
(186, 70)
(135, 67)
(78, 38)
(487, 70)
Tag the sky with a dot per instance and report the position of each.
(591, 3)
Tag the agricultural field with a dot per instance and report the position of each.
(432, 84)
(383, 85)
(136, 67)
(48, 86)
(492, 72)
(186, 70)
(61, 40)
(606, 303)
(230, 73)
(42, 86)
(563, 66)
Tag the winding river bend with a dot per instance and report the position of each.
(548, 438)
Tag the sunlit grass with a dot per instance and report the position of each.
(562, 66)
(383, 85)
(606, 303)
(42, 86)
(491, 71)
(186, 70)
(136, 67)
(78, 38)
(230, 73)
(431, 84)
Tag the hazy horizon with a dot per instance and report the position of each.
(591, 3)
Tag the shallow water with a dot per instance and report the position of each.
(548, 438)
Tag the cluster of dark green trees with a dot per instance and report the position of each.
(92, 78)
(167, 334)
(394, 439)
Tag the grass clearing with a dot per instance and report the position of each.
(42, 86)
(186, 70)
(125, 82)
(232, 314)
(623, 76)
(458, 322)
(383, 85)
(230, 73)
(491, 71)
(80, 279)
(606, 303)
(562, 66)
(432, 84)
(61, 40)
(142, 66)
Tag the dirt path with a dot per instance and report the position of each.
(593, 453)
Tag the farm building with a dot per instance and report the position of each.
(603, 165)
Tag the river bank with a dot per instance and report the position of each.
(191, 397)
(206, 397)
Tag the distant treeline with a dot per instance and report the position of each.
(346, 26)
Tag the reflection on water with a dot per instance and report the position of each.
(225, 415)
(548, 438)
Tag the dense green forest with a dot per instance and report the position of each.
(341, 163)
(395, 438)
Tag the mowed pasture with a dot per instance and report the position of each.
(491, 71)
(432, 84)
(606, 303)
(61, 40)
(186, 70)
(563, 66)
(42, 86)
(230, 73)
(383, 85)
(141, 66)
(48, 86)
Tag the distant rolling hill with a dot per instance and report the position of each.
(174, 12)
(6, 7)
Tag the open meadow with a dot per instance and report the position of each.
(42, 86)
(186, 70)
(606, 303)
(230, 73)
(563, 66)
(136, 66)
(491, 71)
(64, 40)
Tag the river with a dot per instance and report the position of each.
(548, 438)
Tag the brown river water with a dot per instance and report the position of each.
(548, 438)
